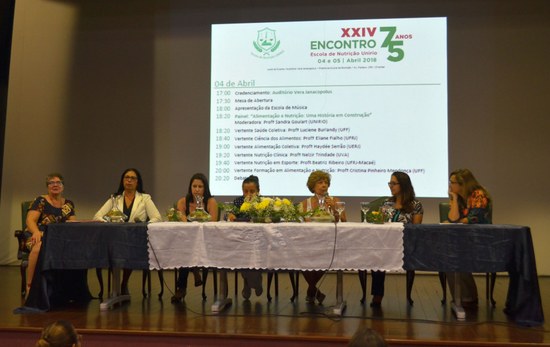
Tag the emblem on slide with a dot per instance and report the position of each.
(266, 42)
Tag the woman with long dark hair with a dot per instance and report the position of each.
(137, 206)
(402, 207)
(198, 191)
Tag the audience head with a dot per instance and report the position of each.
(463, 183)
(59, 334)
(251, 186)
(130, 180)
(198, 185)
(367, 337)
(318, 177)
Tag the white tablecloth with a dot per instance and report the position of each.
(280, 246)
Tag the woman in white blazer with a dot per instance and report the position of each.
(135, 204)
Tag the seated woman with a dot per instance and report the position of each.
(469, 203)
(318, 183)
(251, 189)
(138, 207)
(46, 209)
(198, 190)
(252, 278)
(59, 334)
(403, 208)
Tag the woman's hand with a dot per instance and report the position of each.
(454, 213)
(329, 202)
(36, 238)
(452, 196)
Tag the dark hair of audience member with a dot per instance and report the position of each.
(367, 337)
(59, 334)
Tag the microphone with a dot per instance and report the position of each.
(327, 206)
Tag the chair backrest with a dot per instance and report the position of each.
(444, 208)
(219, 213)
(22, 235)
(25, 205)
(374, 205)
(490, 207)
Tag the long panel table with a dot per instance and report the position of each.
(279, 246)
(351, 246)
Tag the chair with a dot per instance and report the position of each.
(443, 212)
(374, 205)
(490, 277)
(205, 273)
(204, 277)
(294, 282)
(146, 279)
(23, 251)
(442, 275)
(442, 280)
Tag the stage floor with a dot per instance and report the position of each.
(151, 321)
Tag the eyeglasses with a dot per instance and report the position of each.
(391, 184)
(55, 183)
(130, 178)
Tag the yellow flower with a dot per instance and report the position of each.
(375, 213)
(245, 206)
(287, 202)
(263, 204)
(277, 205)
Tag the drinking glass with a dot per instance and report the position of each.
(388, 213)
(340, 206)
(321, 199)
(365, 207)
(227, 207)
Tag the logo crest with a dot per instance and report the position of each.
(266, 42)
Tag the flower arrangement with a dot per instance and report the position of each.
(270, 210)
(376, 217)
(199, 215)
(319, 215)
(173, 214)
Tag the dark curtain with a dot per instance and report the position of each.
(7, 9)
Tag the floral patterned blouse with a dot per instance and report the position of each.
(402, 216)
(478, 209)
(241, 216)
(51, 214)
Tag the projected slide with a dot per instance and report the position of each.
(357, 98)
